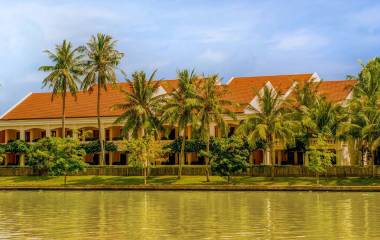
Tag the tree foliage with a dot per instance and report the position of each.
(64, 74)
(144, 152)
(100, 71)
(320, 157)
(17, 146)
(56, 157)
(141, 105)
(94, 147)
(229, 156)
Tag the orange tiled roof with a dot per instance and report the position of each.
(336, 91)
(40, 106)
(243, 89)
(240, 90)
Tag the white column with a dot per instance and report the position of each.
(110, 133)
(48, 132)
(22, 156)
(346, 155)
(31, 135)
(306, 160)
(267, 157)
(212, 130)
(339, 157)
(22, 134)
(75, 133)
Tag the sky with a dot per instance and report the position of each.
(231, 38)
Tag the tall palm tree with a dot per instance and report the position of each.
(181, 108)
(270, 121)
(363, 108)
(212, 109)
(322, 118)
(141, 104)
(101, 64)
(64, 74)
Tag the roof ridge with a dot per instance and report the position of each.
(274, 75)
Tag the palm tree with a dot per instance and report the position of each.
(212, 109)
(322, 119)
(363, 108)
(141, 104)
(64, 74)
(102, 62)
(270, 121)
(181, 108)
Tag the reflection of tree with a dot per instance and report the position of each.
(194, 215)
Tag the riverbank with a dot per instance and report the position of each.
(188, 183)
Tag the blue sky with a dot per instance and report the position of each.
(232, 38)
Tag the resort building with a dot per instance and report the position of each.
(36, 116)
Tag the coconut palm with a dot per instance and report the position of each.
(213, 108)
(322, 119)
(270, 121)
(141, 104)
(101, 65)
(64, 74)
(181, 108)
(363, 108)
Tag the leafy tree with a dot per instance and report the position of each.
(19, 147)
(364, 125)
(56, 157)
(271, 120)
(94, 147)
(229, 156)
(213, 108)
(143, 152)
(102, 61)
(320, 157)
(322, 119)
(181, 107)
(64, 74)
(2, 153)
(141, 104)
(191, 145)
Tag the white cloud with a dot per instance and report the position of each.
(213, 56)
(299, 40)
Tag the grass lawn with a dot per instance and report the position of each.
(117, 180)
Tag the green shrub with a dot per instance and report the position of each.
(229, 156)
(17, 146)
(56, 157)
(94, 147)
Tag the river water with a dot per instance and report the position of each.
(188, 215)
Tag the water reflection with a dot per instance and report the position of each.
(188, 215)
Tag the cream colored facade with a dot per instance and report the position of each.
(86, 129)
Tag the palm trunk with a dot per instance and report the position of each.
(373, 163)
(207, 160)
(145, 170)
(63, 113)
(271, 159)
(102, 153)
(182, 155)
(65, 179)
